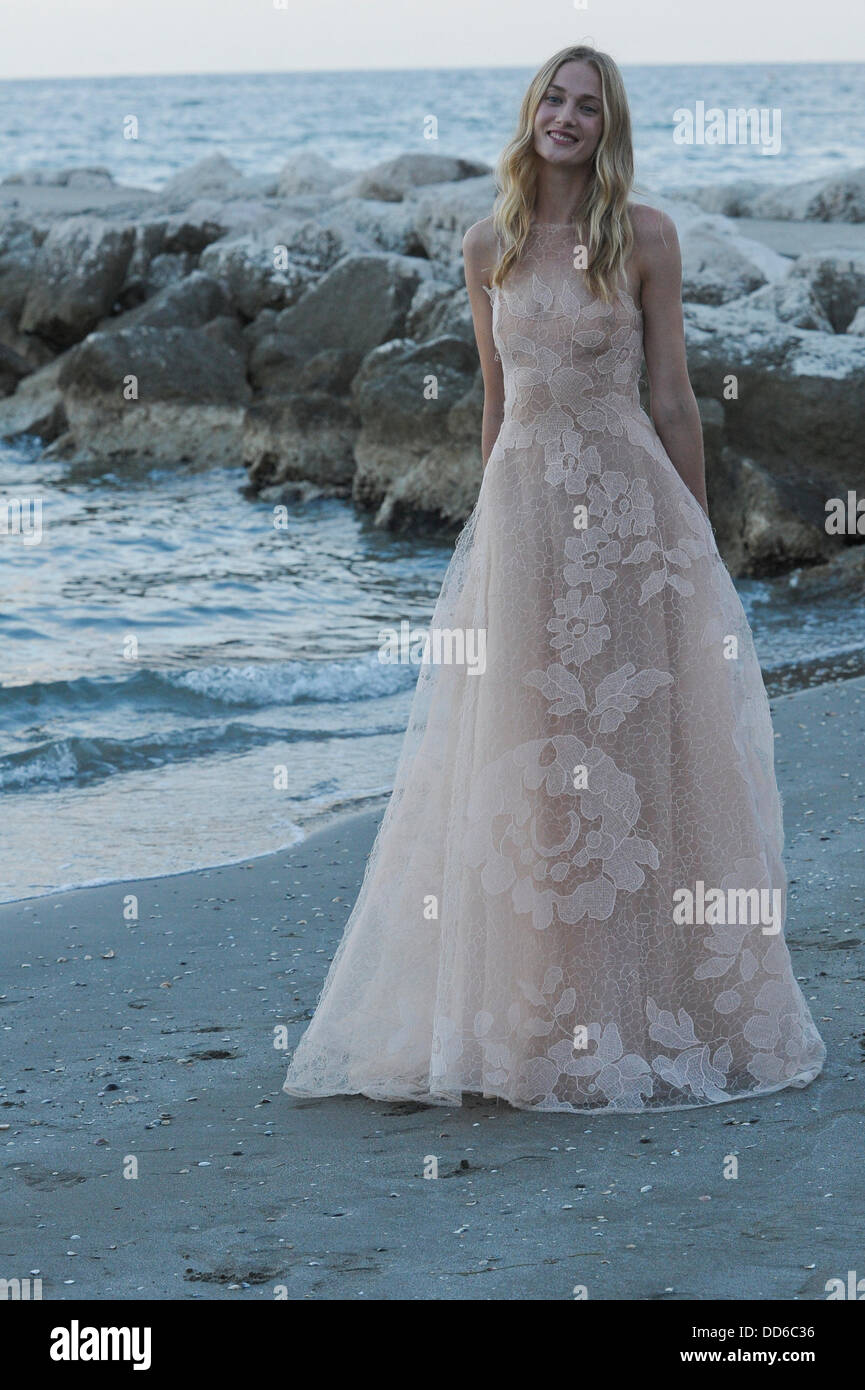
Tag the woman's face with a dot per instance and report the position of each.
(569, 120)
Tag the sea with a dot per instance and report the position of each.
(184, 684)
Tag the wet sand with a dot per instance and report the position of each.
(150, 1042)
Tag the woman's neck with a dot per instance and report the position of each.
(559, 196)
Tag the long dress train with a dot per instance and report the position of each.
(575, 900)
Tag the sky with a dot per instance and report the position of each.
(79, 38)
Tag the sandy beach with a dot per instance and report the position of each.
(149, 1043)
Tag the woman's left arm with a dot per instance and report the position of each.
(673, 405)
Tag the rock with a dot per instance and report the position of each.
(188, 233)
(306, 436)
(718, 264)
(791, 301)
(317, 246)
(211, 177)
(440, 311)
(443, 215)
(165, 269)
(795, 427)
(837, 282)
(89, 176)
(390, 181)
(76, 278)
(836, 199)
(757, 528)
(256, 272)
(187, 303)
(225, 329)
(192, 392)
(365, 225)
(729, 199)
(19, 248)
(13, 369)
(418, 459)
(843, 573)
(33, 351)
(148, 244)
(36, 407)
(840, 198)
(361, 302)
(309, 173)
(857, 323)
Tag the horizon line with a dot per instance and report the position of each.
(453, 67)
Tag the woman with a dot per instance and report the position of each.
(576, 897)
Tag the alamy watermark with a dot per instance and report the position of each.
(713, 907)
(440, 646)
(21, 516)
(738, 125)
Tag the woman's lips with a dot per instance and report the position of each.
(561, 137)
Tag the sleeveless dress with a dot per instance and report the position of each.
(567, 904)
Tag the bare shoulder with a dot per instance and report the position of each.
(654, 231)
(480, 247)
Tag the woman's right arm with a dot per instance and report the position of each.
(479, 256)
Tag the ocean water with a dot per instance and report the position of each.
(357, 118)
(183, 684)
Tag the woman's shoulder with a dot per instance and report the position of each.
(651, 226)
(480, 240)
(656, 242)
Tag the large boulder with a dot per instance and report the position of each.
(190, 302)
(718, 264)
(443, 215)
(189, 392)
(727, 199)
(316, 245)
(795, 418)
(361, 302)
(306, 436)
(13, 369)
(758, 529)
(76, 278)
(32, 350)
(839, 198)
(147, 246)
(364, 224)
(19, 249)
(418, 453)
(37, 406)
(187, 233)
(791, 301)
(307, 172)
(392, 180)
(212, 177)
(836, 280)
(440, 311)
(257, 272)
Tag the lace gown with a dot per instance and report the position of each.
(516, 933)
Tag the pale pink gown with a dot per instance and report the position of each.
(515, 933)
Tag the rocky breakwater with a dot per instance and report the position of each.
(314, 328)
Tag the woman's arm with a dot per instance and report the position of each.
(673, 405)
(479, 256)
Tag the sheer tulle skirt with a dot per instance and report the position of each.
(517, 932)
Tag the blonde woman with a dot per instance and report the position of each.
(576, 898)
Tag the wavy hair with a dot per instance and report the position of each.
(604, 226)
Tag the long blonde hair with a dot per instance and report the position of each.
(604, 226)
